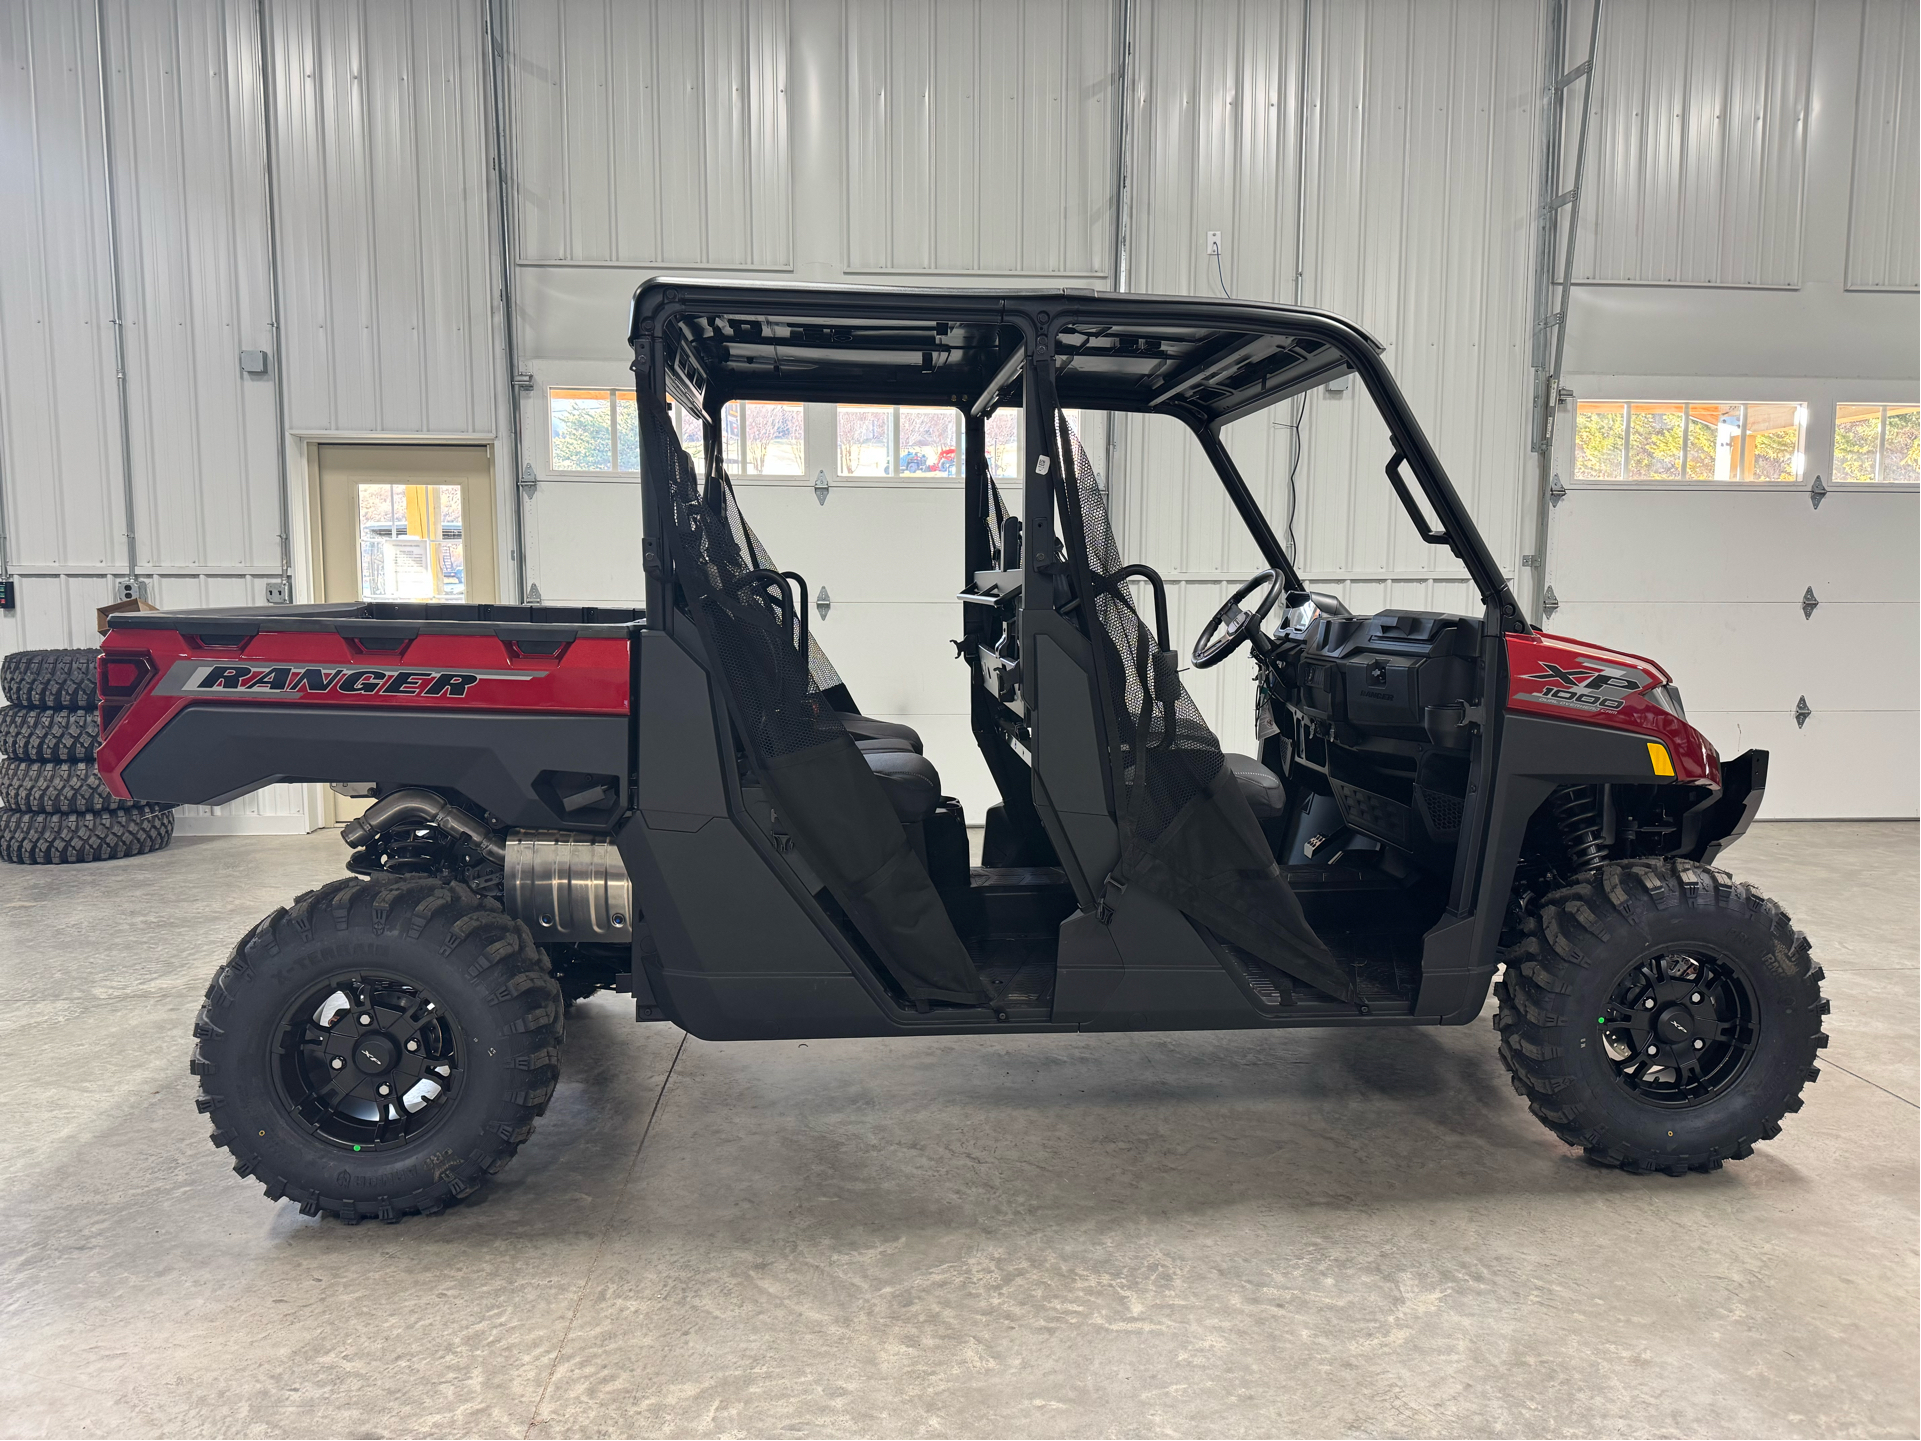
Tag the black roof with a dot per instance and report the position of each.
(1203, 359)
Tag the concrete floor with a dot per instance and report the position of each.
(1204, 1234)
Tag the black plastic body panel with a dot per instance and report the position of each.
(209, 754)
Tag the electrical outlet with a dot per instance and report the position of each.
(1213, 242)
(279, 593)
(129, 590)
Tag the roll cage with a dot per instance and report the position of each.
(1205, 362)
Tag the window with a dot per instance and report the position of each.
(594, 430)
(1878, 442)
(897, 440)
(770, 441)
(410, 543)
(1673, 440)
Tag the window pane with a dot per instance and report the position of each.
(1598, 426)
(928, 442)
(1857, 440)
(687, 425)
(730, 435)
(861, 440)
(410, 543)
(1704, 440)
(1004, 443)
(774, 439)
(627, 429)
(1901, 451)
(583, 430)
(1773, 441)
(1654, 442)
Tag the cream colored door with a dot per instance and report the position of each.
(406, 523)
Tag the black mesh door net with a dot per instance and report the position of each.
(1187, 833)
(821, 786)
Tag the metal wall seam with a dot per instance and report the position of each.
(264, 51)
(496, 62)
(115, 318)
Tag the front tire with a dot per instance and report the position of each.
(379, 1049)
(1660, 1016)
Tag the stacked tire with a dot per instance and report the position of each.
(54, 808)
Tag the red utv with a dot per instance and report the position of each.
(685, 803)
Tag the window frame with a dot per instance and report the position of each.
(1798, 464)
(1881, 409)
(613, 394)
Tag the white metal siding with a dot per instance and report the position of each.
(978, 137)
(1421, 173)
(1884, 211)
(1699, 143)
(652, 133)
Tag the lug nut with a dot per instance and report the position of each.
(384, 1090)
(369, 1020)
(413, 1045)
(1698, 1045)
(1695, 998)
(338, 1063)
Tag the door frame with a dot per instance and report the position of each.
(303, 502)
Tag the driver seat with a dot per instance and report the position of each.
(1266, 795)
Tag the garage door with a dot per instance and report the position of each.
(1713, 582)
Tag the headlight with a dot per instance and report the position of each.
(1668, 697)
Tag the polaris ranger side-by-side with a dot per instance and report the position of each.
(684, 801)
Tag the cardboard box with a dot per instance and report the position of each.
(120, 607)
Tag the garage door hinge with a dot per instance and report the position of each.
(1808, 603)
(533, 593)
(1556, 492)
(529, 482)
(823, 602)
(1816, 492)
(1550, 602)
(820, 486)
(1801, 712)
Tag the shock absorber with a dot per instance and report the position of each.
(1577, 811)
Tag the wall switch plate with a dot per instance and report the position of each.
(1213, 242)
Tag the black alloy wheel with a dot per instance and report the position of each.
(1679, 1028)
(368, 1062)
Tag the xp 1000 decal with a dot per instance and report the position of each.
(1581, 684)
(281, 682)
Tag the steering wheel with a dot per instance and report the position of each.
(1232, 624)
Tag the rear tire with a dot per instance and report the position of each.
(31, 734)
(440, 958)
(29, 838)
(1583, 969)
(56, 786)
(63, 678)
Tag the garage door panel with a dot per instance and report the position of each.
(1762, 657)
(897, 657)
(1856, 764)
(583, 543)
(865, 544)
(1733, 544)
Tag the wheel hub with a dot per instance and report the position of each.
(375, 1054)
(367, 1062)
(1678, 1028)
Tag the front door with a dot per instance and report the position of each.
(405, 523)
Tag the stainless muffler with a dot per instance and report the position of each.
(568, 887)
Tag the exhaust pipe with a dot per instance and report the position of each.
(423, 808)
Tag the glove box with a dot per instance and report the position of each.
(1383, 673)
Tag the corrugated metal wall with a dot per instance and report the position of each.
(652, 133)
(1421, 171)
(1699, 143)
(1884, 211)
